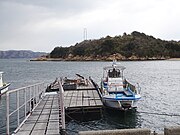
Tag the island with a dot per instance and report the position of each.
(134, 46)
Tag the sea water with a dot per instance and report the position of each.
(160, 89)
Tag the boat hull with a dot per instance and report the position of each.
(4, 89)
(120, 104)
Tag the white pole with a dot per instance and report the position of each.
(61, 92)
(25, 101)
(7, 113)
(17, 100)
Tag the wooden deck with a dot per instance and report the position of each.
(81, 98)
(84, 97)
(47, 116)
(44, 119)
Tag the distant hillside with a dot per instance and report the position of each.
(134, 46)
(20, 54)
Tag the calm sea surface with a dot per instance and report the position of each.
(159, 81)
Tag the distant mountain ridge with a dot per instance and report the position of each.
(20, 54)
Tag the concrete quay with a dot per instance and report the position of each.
(138, 131)
(172, 130)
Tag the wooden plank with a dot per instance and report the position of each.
(91, 99)
(46, 110)
(66, 93)
(96, 95)
(71, 96)
(23, 132)
(95, 98)
(38, 132)
(52, 132)
(79, 99)
(54, 116)
(92, 102)
(40, 126)
(27, 127)
(73, 99)
(99, 103)
(33, 117)
(53, 126)
(66, 98)
(44, 118)
(55, 104)
(85, 98)
(91, 95)
(88, 96)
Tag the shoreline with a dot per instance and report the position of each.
(83, 59)
(174, 59)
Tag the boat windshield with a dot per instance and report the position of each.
(114, 73)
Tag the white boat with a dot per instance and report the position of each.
(116, 91)
(3, 86)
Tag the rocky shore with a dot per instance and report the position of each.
(100, 58)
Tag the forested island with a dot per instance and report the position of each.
(134, 46)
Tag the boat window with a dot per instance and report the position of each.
(114, 73)
(109, 73)
(118, 73)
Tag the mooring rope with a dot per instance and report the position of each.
(156, 113)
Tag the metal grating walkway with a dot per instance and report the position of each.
(44, 119)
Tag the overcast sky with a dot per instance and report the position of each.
(41, 25)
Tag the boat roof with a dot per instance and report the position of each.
(116, 67)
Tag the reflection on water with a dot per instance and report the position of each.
(111, 119)
(122, 119)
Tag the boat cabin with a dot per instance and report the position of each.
(113, 72)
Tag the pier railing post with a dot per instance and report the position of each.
(25, 102)
(7, 113)
(17, 100)
(30, 92)
(30, 100)
(61, 99)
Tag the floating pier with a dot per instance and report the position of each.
(47, 114)
(83, 103)
(83, 98)
(44, 118)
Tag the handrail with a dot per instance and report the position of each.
(61, 107)
(31, 96)
(11, 91)
(131, 87)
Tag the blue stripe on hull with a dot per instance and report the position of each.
(125, 98)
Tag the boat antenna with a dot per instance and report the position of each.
(114, 63)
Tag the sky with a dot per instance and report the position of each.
(42, 25)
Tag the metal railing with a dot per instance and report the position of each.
(24, 100)
(61, 107)
(135, 89)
